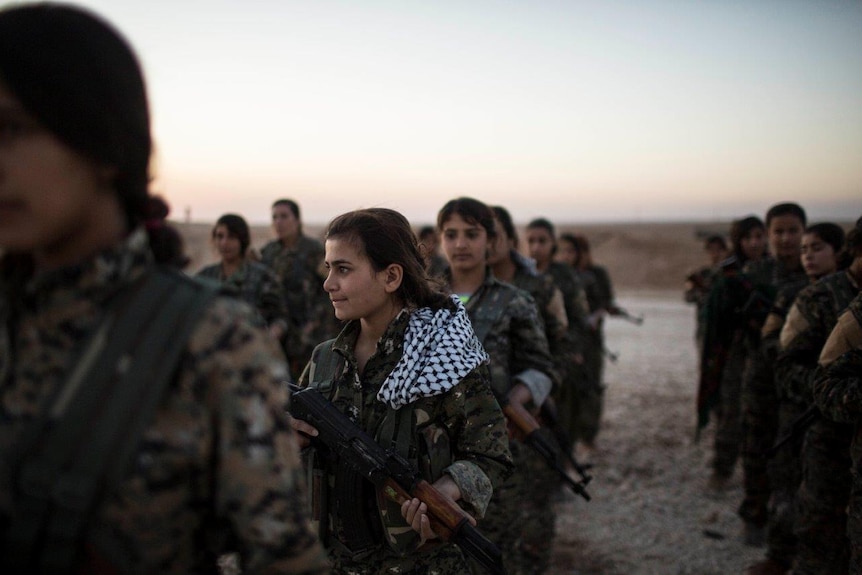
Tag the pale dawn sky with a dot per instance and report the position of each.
(573, 110)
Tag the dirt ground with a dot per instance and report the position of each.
(651, 511)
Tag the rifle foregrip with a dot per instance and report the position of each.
(518, 415)
(451, 523)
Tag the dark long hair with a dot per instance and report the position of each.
(385, 237)
(545, 224)
(294, 209)
(739, 230)
(236, 227)
(473, 211)
(77, 75)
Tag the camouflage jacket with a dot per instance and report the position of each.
(770, 277)
(700, 281)
(219, 462)
(838, 383)
(549, 301)
(466, 423)
(771, 330)
(603, 294)
(257, 285)
(809, 323)
(515, 338)
(301, 271)
(575, 299)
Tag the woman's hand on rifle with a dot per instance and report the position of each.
(305, 431)
(415, 512)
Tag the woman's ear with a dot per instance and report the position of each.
(393, 275)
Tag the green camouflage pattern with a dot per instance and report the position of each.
(575, 300)
(219, 462)
(312, 319)
(837, 388)
(809, 323)
(838, 393)
(516, 342)
(565, 340)
(783, 470)
(255, 284)
(551, 305)
(466, 422)
(573, 373)
(823, 495)
(759, 402)
(590, 401)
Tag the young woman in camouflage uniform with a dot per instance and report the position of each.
(600, 298)
(297, 261)
(822, 497)
(542, 245)
(508, 265)
(251, 281)
(216, 468)
(726, 335)
(508, 322)
(822, 246)
(407, 360)
(838, 394)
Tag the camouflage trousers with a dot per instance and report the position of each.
(728, 431)
(760, 426)
(568, 400)
(520, 518)
(854, 516)
(785, 475)
(590, 393)
(444, 560)
(822, 499)
(537, 513)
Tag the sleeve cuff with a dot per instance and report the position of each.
(476, 488)
(538, 383)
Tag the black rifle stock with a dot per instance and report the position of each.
(392, 474)
(550, 415)
(624, 314)
(797, 428)
(518, 415)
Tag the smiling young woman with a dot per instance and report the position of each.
(522, 371)
(407, 369)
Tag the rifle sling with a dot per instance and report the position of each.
(89, 434)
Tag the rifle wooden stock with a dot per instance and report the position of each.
(393, 475)
(518, 415)
(445, 515)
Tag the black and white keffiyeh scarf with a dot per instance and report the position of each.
(440, 349)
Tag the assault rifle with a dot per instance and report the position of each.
(392, 474)
(549, 415)
(624, 314)
(527, 424)
(797, 429)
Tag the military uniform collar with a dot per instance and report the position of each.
(109, 268)
(392, 338)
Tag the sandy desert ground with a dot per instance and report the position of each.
(651, 511)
